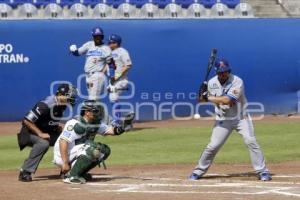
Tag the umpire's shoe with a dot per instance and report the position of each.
(265, 176)
(25, 176)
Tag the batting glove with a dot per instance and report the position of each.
(73, 48)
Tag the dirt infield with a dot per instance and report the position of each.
(158, 182)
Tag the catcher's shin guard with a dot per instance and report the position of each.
(81, 165)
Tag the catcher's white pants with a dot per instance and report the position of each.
(75, 151)
(120, 86)
(95, 84)
(221, 132)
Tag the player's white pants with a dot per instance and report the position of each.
(120, 85)
(221, 132)
(95, 84)
(74, 152)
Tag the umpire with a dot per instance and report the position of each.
(40, 127)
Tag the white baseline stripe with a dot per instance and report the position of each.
(219, 185)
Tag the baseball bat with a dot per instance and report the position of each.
(211, 61)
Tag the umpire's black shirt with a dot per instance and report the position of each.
(46, 115)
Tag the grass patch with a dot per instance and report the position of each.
(280, 142)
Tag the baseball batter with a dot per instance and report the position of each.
(226, 91)
(98, 56)
(75, 151)
(118, 75)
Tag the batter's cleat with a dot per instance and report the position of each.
(25, 176)
(194, 177)
(265, 176)
(87, 176)
(74, 180)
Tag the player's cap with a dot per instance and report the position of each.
(97, 31)
(113, 38)
(222, 65)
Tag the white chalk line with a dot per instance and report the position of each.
(140, 188)
(220, 185)
(201, 180)
(137, 190)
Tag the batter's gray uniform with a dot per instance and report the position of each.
(229, 118)
(97, 58)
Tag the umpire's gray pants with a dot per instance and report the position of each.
(220, 133)
(39, 148)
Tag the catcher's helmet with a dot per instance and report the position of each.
(222, 65)
(93, 106)
(113, 38)
(97, 31)
(69, 91)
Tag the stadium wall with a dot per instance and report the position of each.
(169, 60)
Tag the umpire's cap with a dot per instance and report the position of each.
(69, 91)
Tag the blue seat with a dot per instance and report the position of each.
(208, 3)
(184, 3)
(139, 3)
(5, 1)
(68, 2)
(92, 3)
(44, 3)
(8, 3)
(161, 3)
(231, 3)
(20, 2)
(115, 3)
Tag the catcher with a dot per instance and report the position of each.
(76, 152)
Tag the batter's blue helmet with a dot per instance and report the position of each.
(97, 31)
(113, 38)
(222, 65)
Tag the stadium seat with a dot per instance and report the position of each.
(231, 3)
(43, 3)
(8, 2)
(92, 3)
(126, 10)
(196, 10)
(102, 11)
(208, 3)
(243, 10)
(78, 10)
(115, 3)
(219, 10)
(68, 3)
(162, 3)
(139, 3)
(5, 11)
(27, 10)
(173, 10)
(185, 3)
(21, 2)
(149, 10)
(53, 11)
